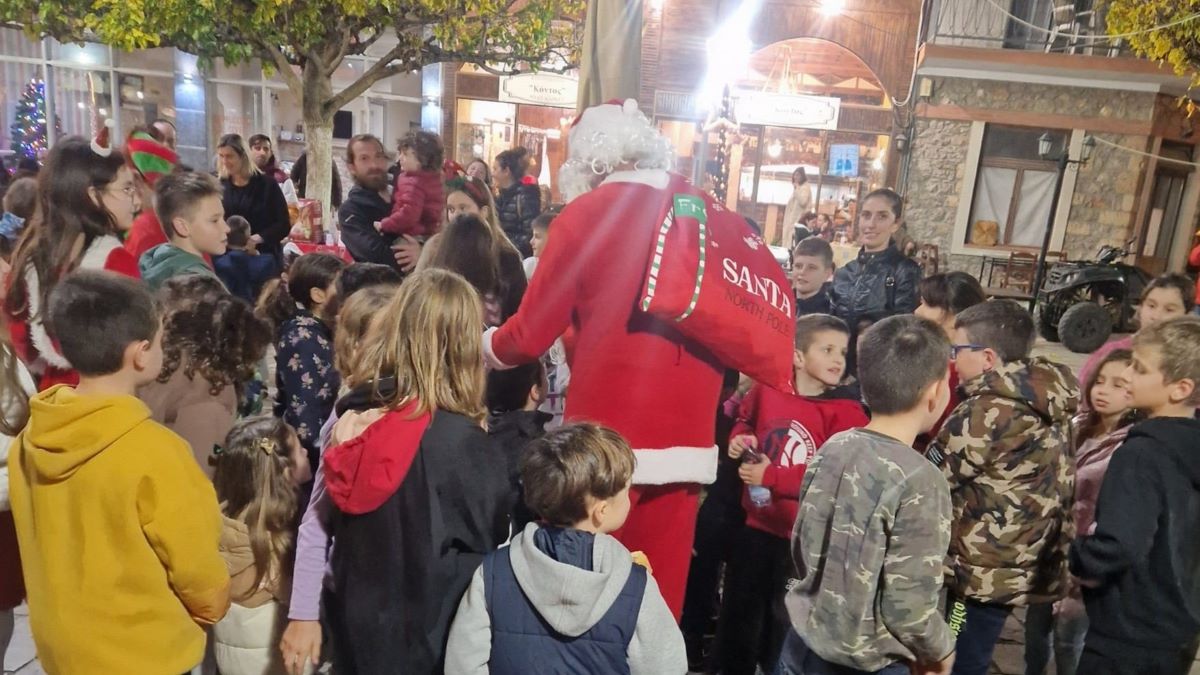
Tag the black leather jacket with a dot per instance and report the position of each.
(874, 286)
(516, 206)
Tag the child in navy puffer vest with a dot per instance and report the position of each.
(566, 596)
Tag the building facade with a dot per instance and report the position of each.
(84, 85)
(993, 77)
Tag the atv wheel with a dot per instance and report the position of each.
(1047, 322)
(1084, 327)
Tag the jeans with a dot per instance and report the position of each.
(976, 627)
(798, 659)
(1069, 632)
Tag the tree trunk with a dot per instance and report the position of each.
(318, 135)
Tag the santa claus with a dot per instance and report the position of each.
(630, 370)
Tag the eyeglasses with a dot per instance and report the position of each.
(956, 349)
(129, 191)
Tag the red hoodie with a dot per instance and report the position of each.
(362, 472)
(790, 429)
(417, 205)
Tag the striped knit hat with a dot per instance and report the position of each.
(150, 158)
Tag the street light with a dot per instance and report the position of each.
(1063, 160)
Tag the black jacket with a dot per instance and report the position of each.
(821, 303)
(358, 215)
(517, 206)
(260, 202)
(400, 570)
(299, 178)
(875, 286)
(1145, 552)
(513, 431)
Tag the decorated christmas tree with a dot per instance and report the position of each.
(29, 129)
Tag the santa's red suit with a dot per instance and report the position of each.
(30, 340)
(631, 371)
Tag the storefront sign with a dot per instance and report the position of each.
(547, 89)
(780, 110)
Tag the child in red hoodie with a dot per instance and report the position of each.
(777, 435)
(417, 200)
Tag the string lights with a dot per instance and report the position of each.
(29, 130)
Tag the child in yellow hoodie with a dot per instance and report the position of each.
(118, 527)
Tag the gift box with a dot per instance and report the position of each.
(308, 224)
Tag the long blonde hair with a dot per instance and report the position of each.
(430, 340)
(354, 320)
(253, 481)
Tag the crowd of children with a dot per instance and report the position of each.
(405, 508)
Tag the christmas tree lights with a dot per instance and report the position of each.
(29, 130)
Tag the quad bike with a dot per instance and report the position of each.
(1081, 303)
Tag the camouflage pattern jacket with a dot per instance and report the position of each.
(1006, 453)
(868, 545)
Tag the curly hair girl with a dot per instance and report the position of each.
(208, 332)
(212, 343)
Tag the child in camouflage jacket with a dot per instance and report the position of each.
(1005, 452)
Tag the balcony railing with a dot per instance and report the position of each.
(1051, 26)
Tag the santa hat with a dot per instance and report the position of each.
(102, 144)
(151, 159)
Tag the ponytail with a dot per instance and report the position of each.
(281, 299)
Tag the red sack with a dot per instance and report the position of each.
(718, 282)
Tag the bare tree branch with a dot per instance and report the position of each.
(381, 69)
(294, 83)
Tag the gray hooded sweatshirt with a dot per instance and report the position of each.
(571, 600)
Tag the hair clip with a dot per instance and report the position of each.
(268, 445)
(217, 449)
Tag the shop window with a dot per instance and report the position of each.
(685, 140)
(1013, 190)
(541, 130)
(238, 109)
(145, 99)
(484, 130)
(82, 100)
(85, 54)
(15, 43)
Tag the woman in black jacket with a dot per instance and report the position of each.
(881, 281)
(517, 203)
(252, 195)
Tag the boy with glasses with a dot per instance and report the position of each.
(1005, 452)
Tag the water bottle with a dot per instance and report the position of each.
(760, 496)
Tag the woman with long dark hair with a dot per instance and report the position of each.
(517, 202)
(253, 195)
(86, 197)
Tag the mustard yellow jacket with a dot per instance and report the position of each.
(118, 530)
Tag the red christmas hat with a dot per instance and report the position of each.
(101, 145)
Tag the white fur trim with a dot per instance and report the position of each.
(490, 360)
(37, 330)
(96, 256)
(679, 464)
(655, 178)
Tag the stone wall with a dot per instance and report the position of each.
(1103, 207)
(935, 184)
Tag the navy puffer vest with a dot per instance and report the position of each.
(523, 643)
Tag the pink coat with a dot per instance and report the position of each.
(1091, 463)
